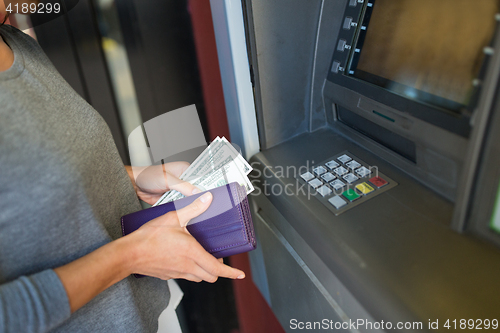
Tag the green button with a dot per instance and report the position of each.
(350, 195)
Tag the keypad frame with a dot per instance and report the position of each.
(363, 198)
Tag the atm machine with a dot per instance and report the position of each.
(378, 166)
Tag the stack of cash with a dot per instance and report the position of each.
(219, 164)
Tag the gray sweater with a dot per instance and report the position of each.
(63, 189)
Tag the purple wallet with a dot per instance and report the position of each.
(224, 229)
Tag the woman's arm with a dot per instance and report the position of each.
(85, 278)
(161, 248)
(34, 303)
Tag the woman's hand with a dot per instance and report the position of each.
(161, 248)
(152, 182)
(165, 249)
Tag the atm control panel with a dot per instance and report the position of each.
(352, 30)
(344, 181)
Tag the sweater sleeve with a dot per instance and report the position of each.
(34, 303)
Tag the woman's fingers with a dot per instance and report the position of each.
(176, 168)
(203, 274)
(214, 267)
(190, 277)
(208, 266)
(172, 172)
(191, 271)
(222, 270)
(150, 179)
(174, 183)
(157, 179)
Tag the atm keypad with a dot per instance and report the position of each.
(337, 184)
(353, 165)
(319, 170)
(378, 182)
(344, 181)
(344, 158)
(350, 178)
(324, 190)
(307, 176)
(340, 171)
(351, 195)
(337, 202)
(331, 164)
(315, 183)
(363, 172)
(328, 177)
(364, 188)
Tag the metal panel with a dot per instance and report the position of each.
(328, 27)
(337, 302)
(486, 182)
(285, 36)
(394, 253)
(438, 151)
(477, 137)
(235, 74)
(294, 291)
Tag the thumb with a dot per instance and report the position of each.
(194, 209)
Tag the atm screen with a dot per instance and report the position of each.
(430, 51)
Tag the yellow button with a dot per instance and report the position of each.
(364, 188)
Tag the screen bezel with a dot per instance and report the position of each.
(450, 120)
(486, 189)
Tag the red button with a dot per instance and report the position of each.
(378, 181)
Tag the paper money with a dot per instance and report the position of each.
(242, 163)
(210, 159)
(219, 164)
